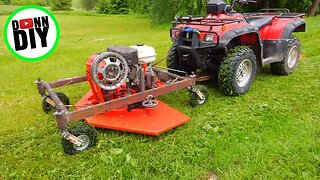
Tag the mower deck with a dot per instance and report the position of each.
(140, 120)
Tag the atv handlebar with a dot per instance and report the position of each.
(229, 8)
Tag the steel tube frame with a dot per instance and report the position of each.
(64, 116)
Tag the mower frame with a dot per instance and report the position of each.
(64, 116)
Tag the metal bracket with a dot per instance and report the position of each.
(73, 139)
(50, 101)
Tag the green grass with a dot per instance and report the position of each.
(272, 132)
(7, 9)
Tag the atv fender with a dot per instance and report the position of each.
(234, 35)
(298, 25)
(276, 38)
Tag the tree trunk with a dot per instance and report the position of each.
(314, 8)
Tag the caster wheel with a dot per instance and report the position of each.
(49, 108)
(84, 132)
(199, 96)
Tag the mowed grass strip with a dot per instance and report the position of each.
(272, 132)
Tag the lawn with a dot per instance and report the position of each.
(272, 132)
(7, 9)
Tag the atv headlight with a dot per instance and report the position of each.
(209, 38)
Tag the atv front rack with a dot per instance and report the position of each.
(211, 22)
(277, 12)
(64, 116)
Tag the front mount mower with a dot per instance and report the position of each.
(123, 89)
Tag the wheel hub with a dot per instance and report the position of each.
(112, 72)
(293, 56)
(85, 144)
(244, 73)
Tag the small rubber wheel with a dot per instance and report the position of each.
(84, 132)
(48, 108)
(290, 61)
(195, 99)
(237, 71)
(175, 62)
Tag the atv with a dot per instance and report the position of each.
(232, 47)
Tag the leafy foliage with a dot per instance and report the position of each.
(28, 2)
(62, 5)
(88, 4)
(103, 7)
(141, 6)
(163, 11)
(113, 7)
(6, 2)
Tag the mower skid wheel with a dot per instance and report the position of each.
(199, 96)
(83, 132)
(49, 106)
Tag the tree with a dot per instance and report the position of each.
(88, 4)
(314, 8)
(62, 5)
(141, 6)
(113, 6)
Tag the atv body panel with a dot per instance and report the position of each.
(268, 34)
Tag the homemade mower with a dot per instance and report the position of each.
(232, 47)
(123, 89)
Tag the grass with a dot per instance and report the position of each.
(7, 9)
(272, 132)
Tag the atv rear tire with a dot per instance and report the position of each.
(48, 108)
(290, 61)
(84, 132)
(237, 71)
(176, 63)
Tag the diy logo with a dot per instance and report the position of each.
(31, 33)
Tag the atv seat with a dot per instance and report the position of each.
(259, 21)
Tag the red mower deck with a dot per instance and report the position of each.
(140, 120)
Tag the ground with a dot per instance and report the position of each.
(272, 132)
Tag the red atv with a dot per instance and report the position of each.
(233, 46)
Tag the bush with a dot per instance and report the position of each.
(141, 6)
(6, 2)
(29, 2)
(163, 11)
(62, 5)
(103, 6)
(88, 4)
(113, 7)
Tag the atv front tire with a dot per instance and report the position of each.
(174, 62)
(84, 132)
(290, 61)
(237, 71)
(49, 108)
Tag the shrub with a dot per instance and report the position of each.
(6, 2)
(119, 7)
(88, 4)
(141, 6)
(103, 6)
(29, 2)
(62, 5)
(113, 7)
